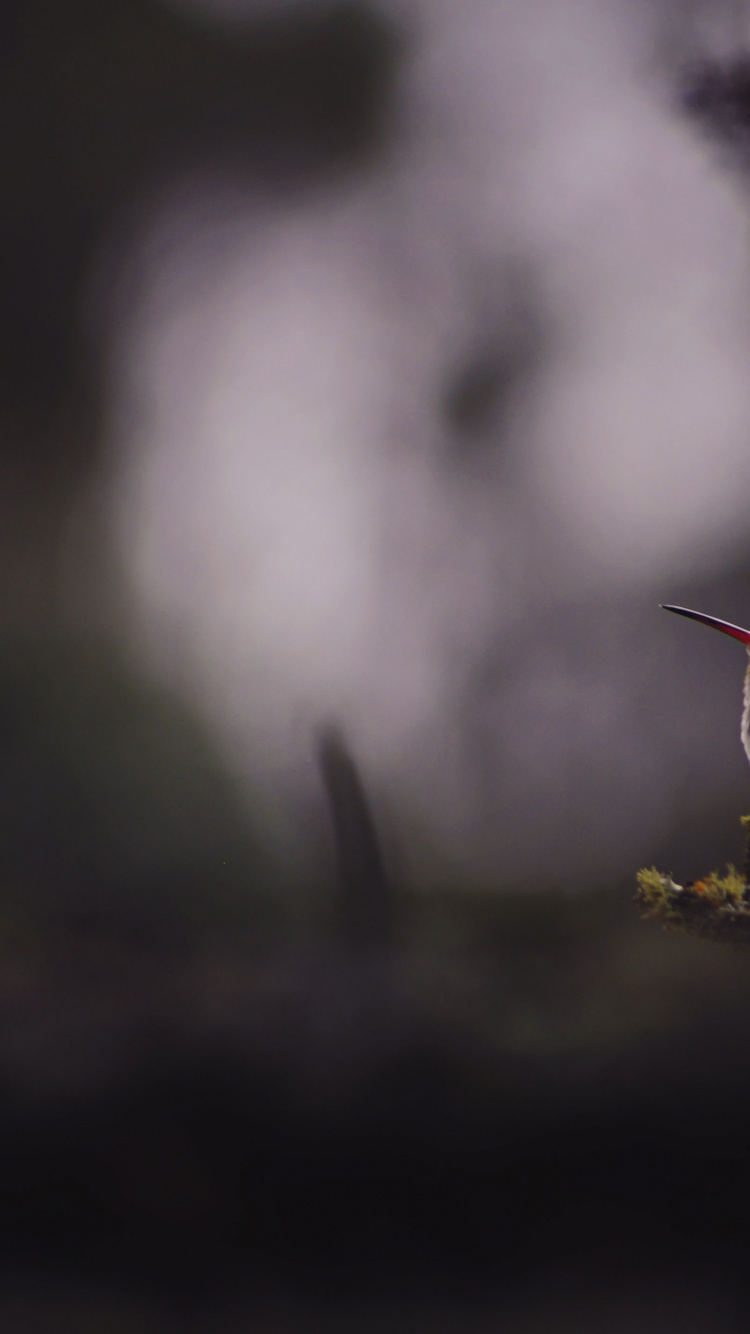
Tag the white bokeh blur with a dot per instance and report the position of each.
(306, 533)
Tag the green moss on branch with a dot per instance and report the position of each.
(716, 907)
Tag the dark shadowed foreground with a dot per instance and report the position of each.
(239, 1102)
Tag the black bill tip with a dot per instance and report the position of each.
(726, 627)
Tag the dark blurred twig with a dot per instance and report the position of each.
(364, 893)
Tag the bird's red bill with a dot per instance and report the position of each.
(725, 626)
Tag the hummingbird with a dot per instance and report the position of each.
(736, 632)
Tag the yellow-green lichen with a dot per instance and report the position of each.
(717, 907)
(721, 890)
(655, 895)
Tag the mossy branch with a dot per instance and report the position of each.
(716, 907)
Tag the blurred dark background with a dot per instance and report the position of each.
(238, 1095)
